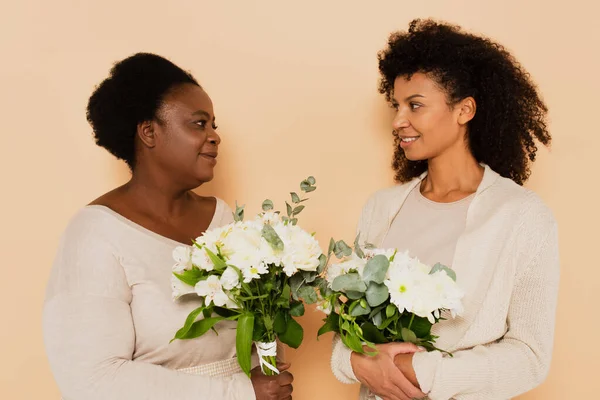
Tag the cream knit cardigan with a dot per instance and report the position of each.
(507, 262)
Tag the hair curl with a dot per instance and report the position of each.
(510, 112)
(132, 94)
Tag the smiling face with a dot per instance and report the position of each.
(182, 140)
(425, 125)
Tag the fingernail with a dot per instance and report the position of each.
(421, 348)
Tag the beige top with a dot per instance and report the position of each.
(109, 316)
(507, 262)
(426, 229)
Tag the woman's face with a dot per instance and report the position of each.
(425, 125)
(186, 142)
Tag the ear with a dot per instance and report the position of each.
(145, 131)
(467, 109)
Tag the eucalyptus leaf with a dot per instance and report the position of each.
(376, 294)
(308, 294)
(342, 249)
(298, 210)
(376, 269)
(353, 295)
(289, 209)
(284, 300)
(377, 319)
(243, 341)
(311, 180)
(238, 215)
(360, 309)
(331, 246)
(349, 282)
(357, 248)
(322, 263)
(268, 232)
(296, 282)
(295, 198)
(440, 267)
(267, 205)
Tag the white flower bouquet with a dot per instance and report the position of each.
(252, 272)
(375, 296)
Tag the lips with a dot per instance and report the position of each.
(211, 156)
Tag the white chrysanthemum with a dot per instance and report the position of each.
(254, 272)
(241, 247)
(403, 288)
(230, 279)
(352, 263)
(449, 293)
(212, 291)
(182, 256)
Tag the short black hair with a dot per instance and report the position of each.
(132, 94)
(510, 112)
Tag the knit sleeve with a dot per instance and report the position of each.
(521, 359)
(89, 334)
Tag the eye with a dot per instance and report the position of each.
(415, 106)
(215, 126)
(201, 123)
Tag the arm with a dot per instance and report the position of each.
(90, 337)
(518, 362)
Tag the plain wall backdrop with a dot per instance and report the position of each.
(295, 91)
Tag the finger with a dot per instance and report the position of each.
(285, 378)
(286, 391)
(405, 386)
(401, 348)
(283, 366)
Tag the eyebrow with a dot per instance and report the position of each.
(202, 113)
(414, 96)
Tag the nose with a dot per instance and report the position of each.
(213, 137)
(400, 121)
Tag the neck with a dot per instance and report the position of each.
(458, 172)
(156, 193)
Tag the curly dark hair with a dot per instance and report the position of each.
(510, 113)
(132, 93)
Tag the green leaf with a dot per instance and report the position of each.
(268, 232)
(342, 249)
(349, 282)
(357, 248)
(309, 276)
(243, 341)
(295, 198)
(280, 324)
(322, 263)
(191, 276)
(216, 260)
(311, 180)
(331, 324)
(289, 209)
(191, 318)
(293, 334)
(297, 309)
(284, 300)
(225, 312)
(376, 269)
(352, 341)
(259, 331)
(372, 334)
(377, 293)
(360, 309)
(267, 205)
(200, 327)
(419, 325)
(377, 318)
(308, 294)
(298, 210)
(296, 282)
(331, 246)
(408, 335)
(353, 295)
(390, 310)
(306, 186)
(238, 215)
(294, 221)
(440, 267)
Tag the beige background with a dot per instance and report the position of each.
(294, 87)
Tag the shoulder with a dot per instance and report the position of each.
(223, 214)
(385, 198)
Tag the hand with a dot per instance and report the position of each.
(380, 374)
(278, 387)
